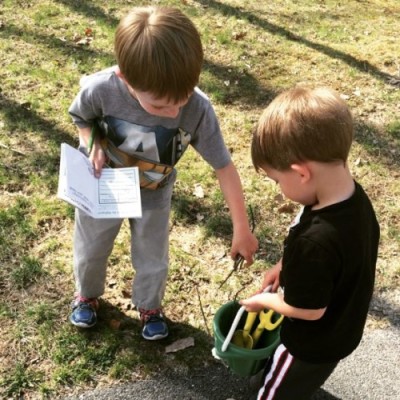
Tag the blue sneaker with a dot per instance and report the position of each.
(84, 312)
(154, 325)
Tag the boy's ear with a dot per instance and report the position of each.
(119, 73)
(121, 76)
(303, 170)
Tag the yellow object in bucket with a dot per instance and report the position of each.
(244, 362)
(242, 337)
(266, 322)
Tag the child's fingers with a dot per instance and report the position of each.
(248, 305)
(244, 304)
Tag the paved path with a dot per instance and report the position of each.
(372, 372)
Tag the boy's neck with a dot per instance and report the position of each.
(118, 73)
(333, 184)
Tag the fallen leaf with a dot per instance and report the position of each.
(358, 161)
(85, 41)
(180, 344)
(112, 283)
(199, 217)
(198, 191)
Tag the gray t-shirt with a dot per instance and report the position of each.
(105, 95)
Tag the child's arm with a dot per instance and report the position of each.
(243, 241)
(96, 153)
(275, 301)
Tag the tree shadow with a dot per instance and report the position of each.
(362, 65)
(89, 10)
(243, 88)
(188, 369)
(189, 372)
(69, 49)
(216, 220)
(378, 144)
(21, 118)
(382, 309)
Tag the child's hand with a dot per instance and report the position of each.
(245, 244)
(254, 303)
(98, 159)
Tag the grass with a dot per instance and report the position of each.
(253, 51)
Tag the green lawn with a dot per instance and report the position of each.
(253, 50)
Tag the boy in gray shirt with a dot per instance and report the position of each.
(149, 109)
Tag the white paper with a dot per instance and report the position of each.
(116, 194)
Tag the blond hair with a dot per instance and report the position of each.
(302, 124)
(158, 50)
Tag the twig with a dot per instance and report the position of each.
(201, 305)
(244, 286)
(253, 222)
(202, 311)
(13, 150)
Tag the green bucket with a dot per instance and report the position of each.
(244, 362)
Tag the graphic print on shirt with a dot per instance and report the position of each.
(155, 143)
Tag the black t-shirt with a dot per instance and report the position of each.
(329, 261)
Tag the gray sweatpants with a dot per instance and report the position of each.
(94, 241)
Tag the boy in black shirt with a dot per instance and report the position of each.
(326, 275)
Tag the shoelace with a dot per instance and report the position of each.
(93, 302)
(150, 315)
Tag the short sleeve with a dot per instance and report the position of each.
(85, 108)
(208, 140)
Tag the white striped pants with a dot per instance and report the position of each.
(288, 378)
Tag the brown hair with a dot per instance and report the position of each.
(159, 51)
(302, 124)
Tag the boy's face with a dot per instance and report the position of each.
(158, 107)
(293, 184)
(153, 105)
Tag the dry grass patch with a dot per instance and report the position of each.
(253, 51)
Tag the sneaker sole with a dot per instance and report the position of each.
(155, 337)
(81, 324)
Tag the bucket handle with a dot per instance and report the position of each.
(236, 322)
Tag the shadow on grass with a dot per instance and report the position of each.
(189, 372)
(80, 54)
(192, 371)
(215, 218)
(187, 209)
(384, 148)
(361, 65)
(243, 89)
(20, 118)
(89, 10)
(121, 335)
